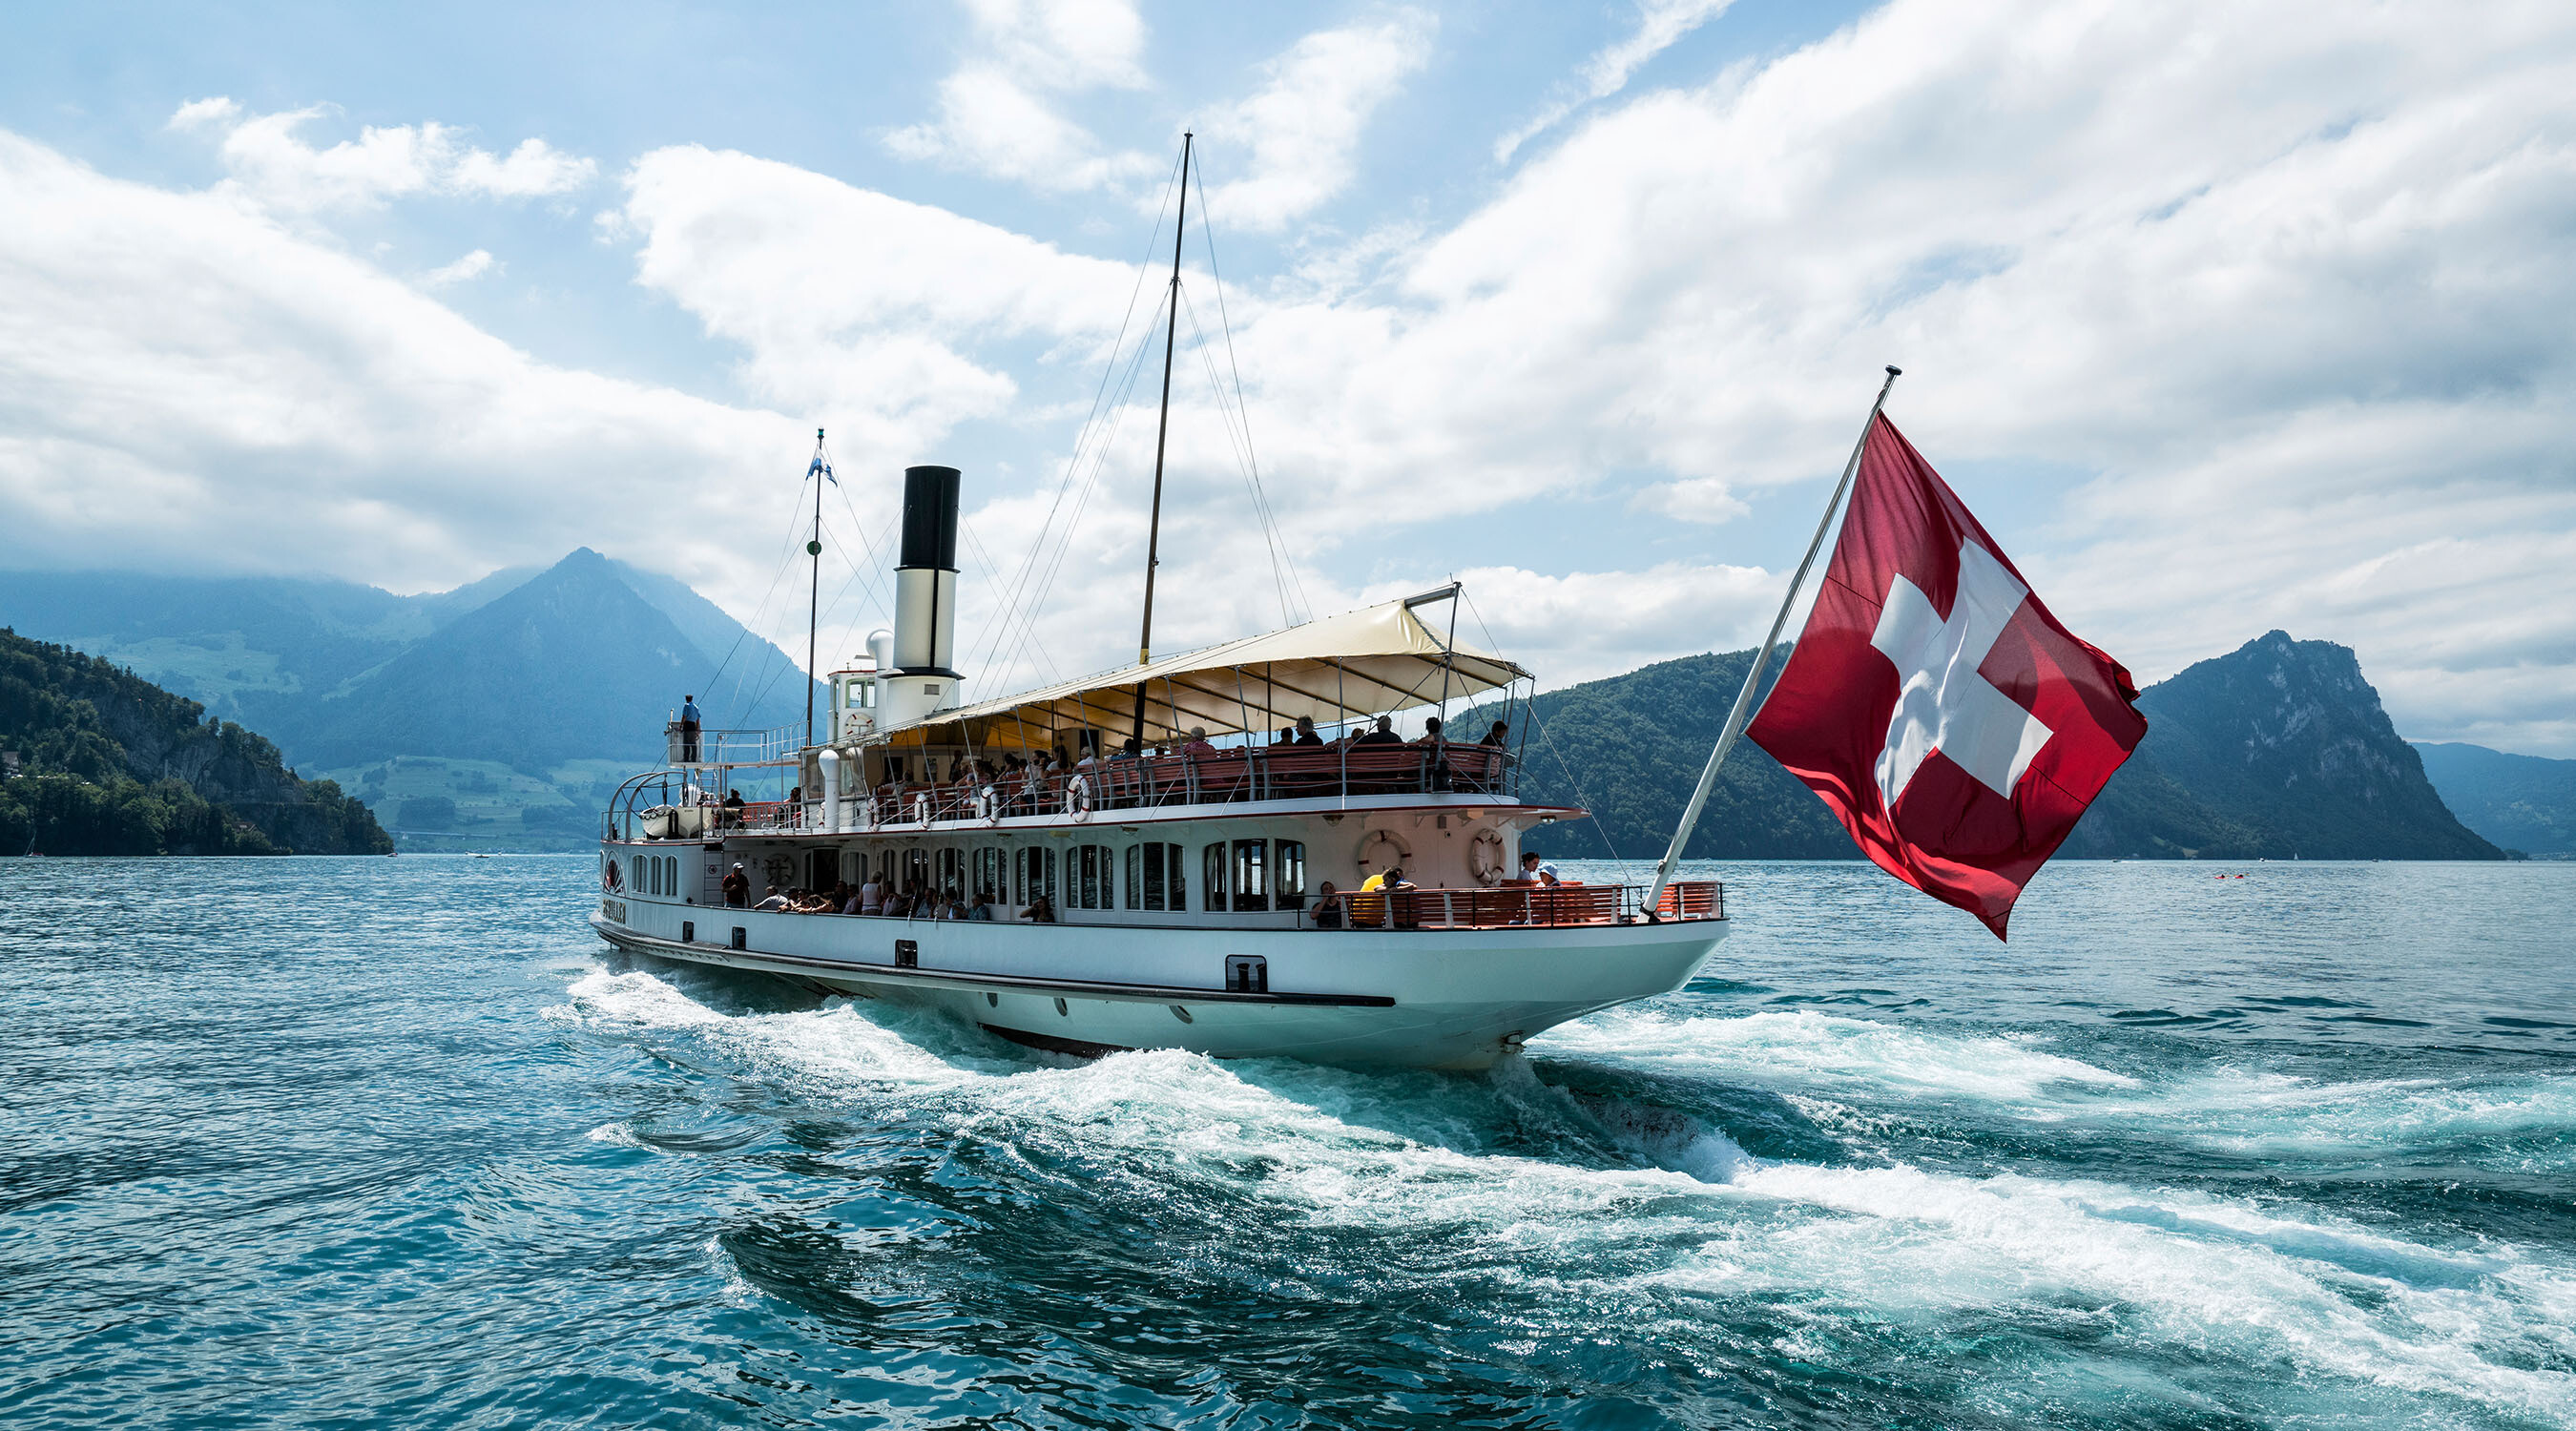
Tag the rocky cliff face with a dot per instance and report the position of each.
(2286, 745)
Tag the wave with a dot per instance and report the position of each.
(1643, 1216)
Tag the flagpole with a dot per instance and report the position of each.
(1743, 711)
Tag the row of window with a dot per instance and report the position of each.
(654, 874)
(1234, 875)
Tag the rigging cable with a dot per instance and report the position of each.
(1073, 521)
(1591, 811)
(1242, 443)
(1010, 605)
(1207, 237)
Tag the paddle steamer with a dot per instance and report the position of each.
(1174, 897)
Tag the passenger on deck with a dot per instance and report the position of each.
(872, 895)
(1430, 731)
(737, 888)
(983, 909)
(1535, 866)
(1127, 749)
(775, 900)
(1306, 732)
(1391, 879)
(1328, 908)
(1499, 737)
(1384, 734)
(1040, 911)
(1197, 747)
(899, 907)
(689, 727)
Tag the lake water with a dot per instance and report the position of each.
(394, 1142)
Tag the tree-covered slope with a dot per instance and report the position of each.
(114, 765)
(1629, 748)
(2521, 802)
(2279, 749)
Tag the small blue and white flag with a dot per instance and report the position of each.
(819, 466)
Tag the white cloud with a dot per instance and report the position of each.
(1705, 500)
(267, 161)
(1660, 25)
(851, 300)
(1001, 111)
(1584, 625)
(464, 270)
(186, 384)
(201, 113)
(2292, 292)
(2288, 298)
(1302, 129)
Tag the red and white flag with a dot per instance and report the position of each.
(1952, 725)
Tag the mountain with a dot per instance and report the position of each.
(2279, 749)
(2522, 802)
(110, 764)
(1629, 748)
(496, 715)
(569, 664)
(2287, 739)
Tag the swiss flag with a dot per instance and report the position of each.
(1953, 726)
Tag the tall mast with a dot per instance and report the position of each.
(819, 470)
(1162, 430)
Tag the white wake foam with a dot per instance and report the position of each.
(1424, 1161)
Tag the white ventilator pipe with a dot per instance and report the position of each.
(831, 760)
(1743, 711)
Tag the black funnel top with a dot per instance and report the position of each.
(929, 517)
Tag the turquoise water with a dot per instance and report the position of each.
(393, 1142)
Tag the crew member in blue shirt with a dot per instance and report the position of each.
(689, 730)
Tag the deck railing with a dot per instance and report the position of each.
(1232, 777)
(726, 745)
(1518, 905)
(665, 805)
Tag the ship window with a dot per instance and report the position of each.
(1212, 871)
(1035, 875)
(670, 876)
(1288, 874)
(1095, 886)
(950, 872)
(635, 874)
(1136, 876)
(988, 875)
(1179, 893)
(1251, 874)
(916, 868)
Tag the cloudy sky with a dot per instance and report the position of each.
(2223, 317)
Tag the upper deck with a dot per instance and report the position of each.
(1350, 776)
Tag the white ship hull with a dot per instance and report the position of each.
(1430, 998)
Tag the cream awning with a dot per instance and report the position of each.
(1361, 663)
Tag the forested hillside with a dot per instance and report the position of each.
(110, 764)
(2277, 750)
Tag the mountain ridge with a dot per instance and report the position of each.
(2279, 749)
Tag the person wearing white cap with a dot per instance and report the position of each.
(737, 887)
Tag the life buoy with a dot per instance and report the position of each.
(988, 805)
(1485, 857)
(1077, 798)
(868, 819)
(1383, 848)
